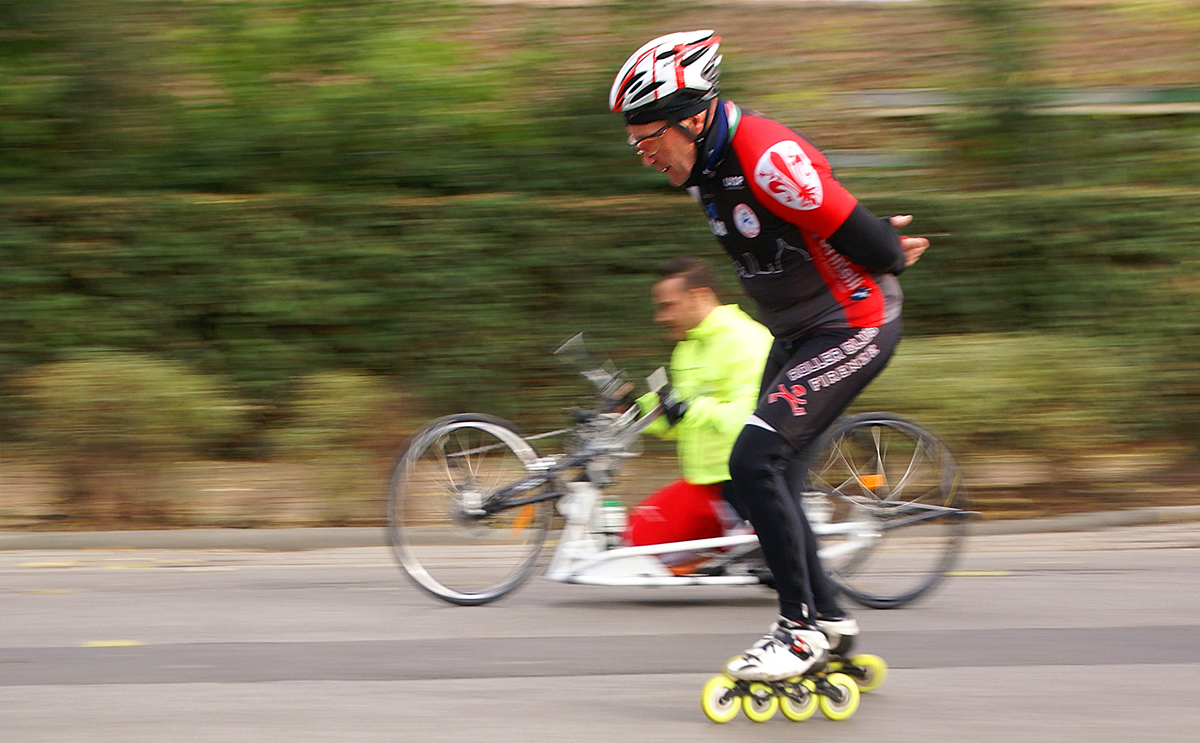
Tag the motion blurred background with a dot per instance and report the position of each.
(249, 245)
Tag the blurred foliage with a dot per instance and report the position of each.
(998, 131)
(431, 196)
(345, 423)
(230, 97)
(241, 96)
(337, 409)
(122, 407)
(461, 300)
(1033, 392)
(103, 413)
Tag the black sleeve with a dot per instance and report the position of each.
(869, 241)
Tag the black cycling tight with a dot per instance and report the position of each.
(760, 493)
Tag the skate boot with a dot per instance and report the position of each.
(841, 632)
(785, 670)
(869, 671)
(788, 649)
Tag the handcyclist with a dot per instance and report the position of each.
(822, 270)
(714, 376)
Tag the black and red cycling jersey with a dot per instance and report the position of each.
(806, 251)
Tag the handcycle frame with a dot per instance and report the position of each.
(582, 555)
(850, 516)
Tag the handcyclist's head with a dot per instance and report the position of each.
(666, 91)
(684, 296)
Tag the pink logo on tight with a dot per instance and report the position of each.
(795, 398)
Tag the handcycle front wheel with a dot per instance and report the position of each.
(442, 534)
(888, 499)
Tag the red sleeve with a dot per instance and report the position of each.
(790, 176)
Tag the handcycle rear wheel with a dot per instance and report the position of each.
(892, 499)
(439, 529)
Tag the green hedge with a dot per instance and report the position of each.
(462, 299)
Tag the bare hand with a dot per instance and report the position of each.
(913, 247)
(624, 398)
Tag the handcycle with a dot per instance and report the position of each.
(472, 503)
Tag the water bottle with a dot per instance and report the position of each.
(612, 521)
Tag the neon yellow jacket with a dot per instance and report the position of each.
(717, 368)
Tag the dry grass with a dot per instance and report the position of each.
(269, 495)
(792, 59)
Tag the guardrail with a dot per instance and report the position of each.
(1131, 101)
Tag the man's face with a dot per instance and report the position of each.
(676, 307)
(668, 150)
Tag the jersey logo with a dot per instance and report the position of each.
(788, 175)
(746, 221)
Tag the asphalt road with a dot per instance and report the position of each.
(1042, 637)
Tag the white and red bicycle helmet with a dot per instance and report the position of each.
(671, 77)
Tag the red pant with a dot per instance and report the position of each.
(676, 513)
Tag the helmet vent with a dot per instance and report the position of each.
(645, 91)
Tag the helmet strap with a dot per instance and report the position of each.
(708, 124)
(705, 144)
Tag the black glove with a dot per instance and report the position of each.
(674, 408)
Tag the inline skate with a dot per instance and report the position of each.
(787, 670)
(868, 671)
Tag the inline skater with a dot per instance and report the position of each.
(822, 270)
(714, 373)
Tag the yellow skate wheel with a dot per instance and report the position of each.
(874, 671)
(803, 705)
(719, 700)
(760, 704)
(847, 702)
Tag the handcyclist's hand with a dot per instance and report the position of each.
(674, 407)
(913, 247)
(624, 399)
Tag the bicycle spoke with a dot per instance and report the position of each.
(876, 437)
(458, 434)
(441, 455)
(908, 474)
(854, 476)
